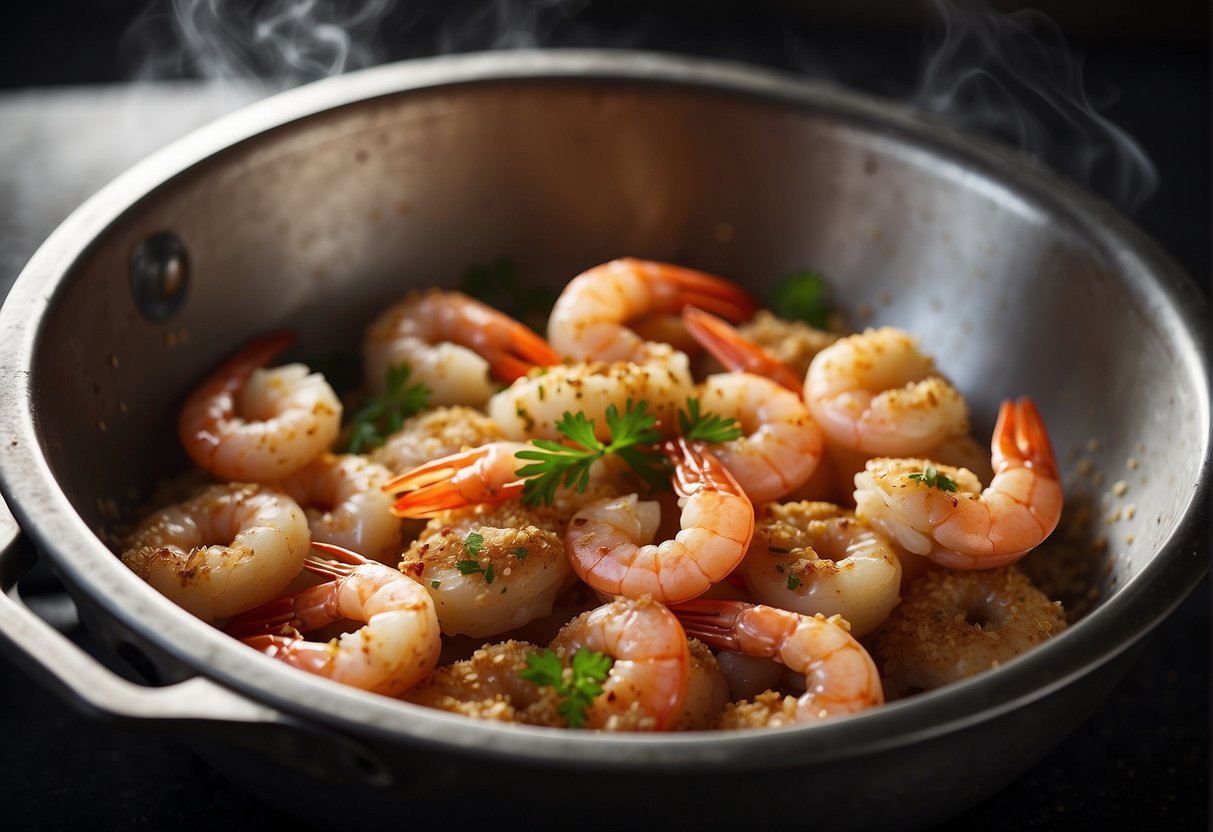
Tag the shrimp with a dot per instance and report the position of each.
(951, 625)
(249, 424)
(970, 528)
(506, 576)
(781, 445)
(226, 550)
(875, 393)
(346, 505)
(647, 684)
(609, 542)
(397, 647)
(486, 685)
(531, 407)
(840, 677)
(816, 558)
(435, 433)
(589, 320)
(476, 476)
(455, 345)
(707, 690)
(792, 343)
(733, 350)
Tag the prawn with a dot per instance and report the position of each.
(455, 345)
(951, 625)
(736, 352)
(249, 424)
(223, 551)
(505, 577)
(345, 504)
(781, 444)
(647, 683)
(589, 320)
(812, 558)
(876, 393)
(840, 677)
(476, 476)
(969, 528)
(609, 542)
(397, 647)
(435, 433)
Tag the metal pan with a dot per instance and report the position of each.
(311, 209)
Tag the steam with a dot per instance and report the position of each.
(1012, 75)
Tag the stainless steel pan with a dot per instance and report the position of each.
(313, 208)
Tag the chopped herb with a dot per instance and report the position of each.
(706, 427)
(497, 283)
(473, 543)
(793, 582)
(435, 584)
(519, 553)
(802, 296)
(468, 567)
(578, 686)
(382, 415)
(488, 573)
(557, 464)
(933, 479)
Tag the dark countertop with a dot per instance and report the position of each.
(1140, 761)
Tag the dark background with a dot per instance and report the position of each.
(1140, 762)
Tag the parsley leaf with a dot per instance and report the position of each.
(803, 296)
(558, 465)
(473, 544)
(706, 427)
(793, 581)
(933, 479)
(382, 415)
(583, 681)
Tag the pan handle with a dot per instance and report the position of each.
(196, 708)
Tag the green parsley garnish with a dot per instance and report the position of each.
(473, 567)
(519, 553)
(473, 543)
(383, 415)
(559, 465)
(933, 479)
(579, 685)
(435, 584)
(803, 296)
(793, 582)
(706, 427)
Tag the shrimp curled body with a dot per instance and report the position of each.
(249, 424)
(609, 542)
(397, 647)
(224, 551)
(840, 677)
(970, 528)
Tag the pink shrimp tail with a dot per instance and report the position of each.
(706, 291)
(736, 352)
(512, 353)
(714, 622)
(1020, 439)
(438, 486)
(695, 467)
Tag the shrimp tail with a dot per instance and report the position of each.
(718, 296)
(271, 617)
(714, 622)
(447, 483)
(736, 352)
(1020, 438)
(526, 351)
(696, 468)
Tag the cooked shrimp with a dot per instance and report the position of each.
(840, 677)
(226, 550)
(951, 625)
(477, 476)
(487, 686)
(781, 444)
(249, 424)
(875, 393)
(969, 528)
(792, 343)
(815, 558)
(609, 542)
(435, 433)
(589, 320)
(531, 407)
(506, 577)
(707, 690)
(455, 345)
(397, 647)
(647, 683)
(345, 504)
